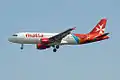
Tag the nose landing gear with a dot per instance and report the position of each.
(21, 47)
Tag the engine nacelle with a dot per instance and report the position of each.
(45, 40)
(41, 46)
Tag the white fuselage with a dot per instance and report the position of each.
(35, 37)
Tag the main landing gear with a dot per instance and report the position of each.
(55, 48)
(21, 47)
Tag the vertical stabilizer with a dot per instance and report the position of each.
(100, 27)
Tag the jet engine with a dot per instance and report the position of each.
(41, 46)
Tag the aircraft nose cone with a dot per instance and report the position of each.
(10, 39)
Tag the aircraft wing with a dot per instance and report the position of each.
(60, 36)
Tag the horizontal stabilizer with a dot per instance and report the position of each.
(105, 34)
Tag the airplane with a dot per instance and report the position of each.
(55, 40)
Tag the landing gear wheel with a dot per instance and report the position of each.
(57, 46)
(54, 50)
(21, 46)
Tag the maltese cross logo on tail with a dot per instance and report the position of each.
(100, 29)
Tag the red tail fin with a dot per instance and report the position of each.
(100, 27)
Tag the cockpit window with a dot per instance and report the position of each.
(14, 35)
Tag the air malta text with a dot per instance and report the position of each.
(34, 35)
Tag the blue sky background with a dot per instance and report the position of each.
(97, 61)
